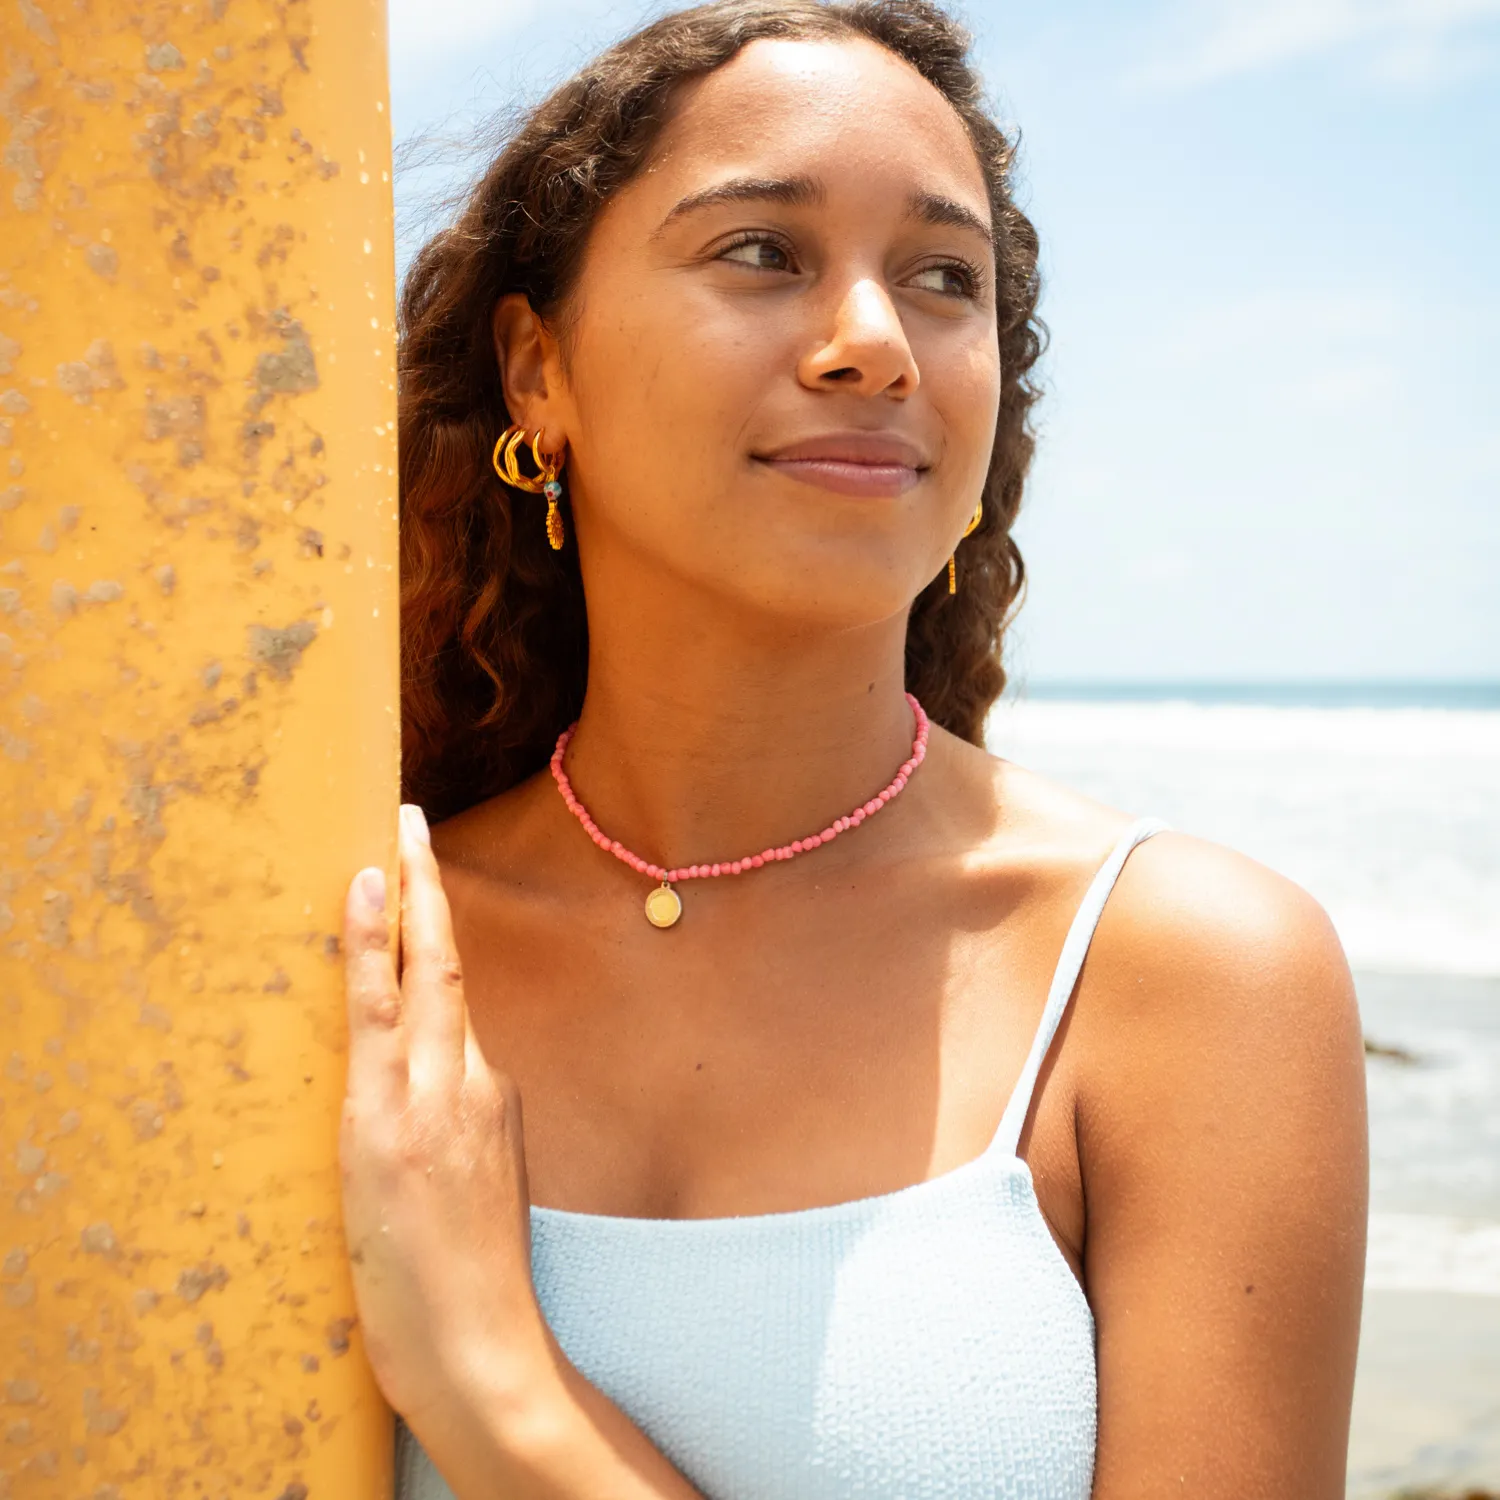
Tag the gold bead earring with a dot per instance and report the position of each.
(974, 521)
(545, 482)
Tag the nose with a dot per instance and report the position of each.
(867, 352)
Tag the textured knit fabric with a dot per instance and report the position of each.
(930, 1342)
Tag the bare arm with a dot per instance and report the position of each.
(564, 1440)
(1225, 1166)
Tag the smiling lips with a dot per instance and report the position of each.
(850, 463)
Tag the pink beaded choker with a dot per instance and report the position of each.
(664, 905)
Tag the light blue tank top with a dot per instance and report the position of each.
(930, 1342)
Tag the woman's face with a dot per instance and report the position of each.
(783, 376)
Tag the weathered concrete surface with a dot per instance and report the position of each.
(198, 733)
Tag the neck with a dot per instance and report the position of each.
(701, 745)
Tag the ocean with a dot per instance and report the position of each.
(1387, 811)
(1383, 801)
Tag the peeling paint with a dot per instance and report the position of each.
(103, 260)
(36, 22)
(194, 1282)
(293, 369)
(280, 651)
(164, 58)
(98, 1239)
(53, 921)
(99, 1418)
(96, 371)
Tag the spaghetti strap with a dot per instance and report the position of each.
(1070, 962)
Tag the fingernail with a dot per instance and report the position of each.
(416, 823)
(371, 885)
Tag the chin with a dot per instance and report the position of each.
(854, 594)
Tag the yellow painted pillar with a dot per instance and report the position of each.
(198, 734)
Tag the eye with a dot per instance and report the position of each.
(761, 252)
(952, 279)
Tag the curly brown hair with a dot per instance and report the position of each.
(494, 636)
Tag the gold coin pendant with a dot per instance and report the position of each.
(663, 906)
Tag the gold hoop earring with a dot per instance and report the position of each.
(969, 530)
(545, 482)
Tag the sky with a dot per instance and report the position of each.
(1270, 441)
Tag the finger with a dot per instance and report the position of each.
(476, 1064)
(377, 1039)
(431, 980)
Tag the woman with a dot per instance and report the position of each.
(843, 1172)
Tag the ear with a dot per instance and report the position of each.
(530, 369)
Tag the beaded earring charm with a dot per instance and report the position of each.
(555, 536)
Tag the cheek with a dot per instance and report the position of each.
(965, 390)
(666, 386)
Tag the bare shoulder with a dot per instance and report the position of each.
(1207, 970)
(1200, 942)
(1193, 934)
(1205, 963)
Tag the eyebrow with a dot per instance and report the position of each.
(933, 208)
(795, 192)
(807, 192)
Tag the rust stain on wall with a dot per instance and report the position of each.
(198, 733)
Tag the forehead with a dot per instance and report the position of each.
(844, 111)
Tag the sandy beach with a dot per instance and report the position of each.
(1427, 1398)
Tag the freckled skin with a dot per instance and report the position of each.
(851, 1021)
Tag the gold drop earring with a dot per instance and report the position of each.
(549, 466)
(974, 521)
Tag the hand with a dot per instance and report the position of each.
(436, 1209)
(437, 1218)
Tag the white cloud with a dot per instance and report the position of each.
(1397, 40)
